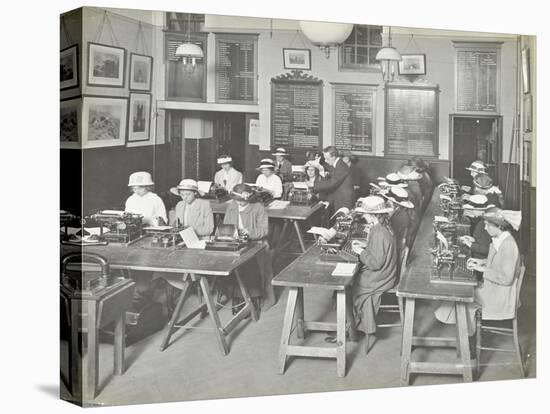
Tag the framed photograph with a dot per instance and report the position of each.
(68, 65)
(139, 117)
(106, 65)
(527, 113)
(412, 64)
(297, 59)
(526, 70)
(141, 72)
(103, 121)
(70, 123)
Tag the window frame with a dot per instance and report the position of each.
(358, 67)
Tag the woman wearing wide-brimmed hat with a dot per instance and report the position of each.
(478, 243)
(283, 167)
(191, 210)
(227, 177)
(497, 295)
(250, 218)
(268, 179)
(143, 201)
(483, 184)
(378, 260)
(402, 216)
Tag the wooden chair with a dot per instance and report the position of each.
(513, 331)
(385, 308)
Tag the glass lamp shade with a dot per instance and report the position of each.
(326, 34)
(388, 53)
(189, 50)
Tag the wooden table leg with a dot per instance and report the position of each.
(350, 319)
(300, 333)
(461, 324)
(282, 235)
(287, 327)
(120, 344)
(407, 340)
(93, 349)
(220, 337)
(75, 349)
(341, 333)
(299, 234)
(176, 314)
(246, 296)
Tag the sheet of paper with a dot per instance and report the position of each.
(114, 212)
(442, 239)
(344, 269)
(254, 132)
(342, 210)
(444, 197)
(278, 204)
(191, 239)
(299, 185)
(204, 186)
(326, 234)
(441, 219)
(298, 168)
(157, 228)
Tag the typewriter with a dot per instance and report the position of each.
(122, 227)
(215, 192)
(228, 238)
(66, 220)
(262, 195)
(302, 196)
(169, 238)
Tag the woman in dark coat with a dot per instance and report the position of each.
(401, 218)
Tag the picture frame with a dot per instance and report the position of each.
(104, 121)
(527, 113)
(139, 117)
(70, 123)
(526, 70)
(141, 72)
(297, 59)
(412, 64)
(106, 65)
(68, 66)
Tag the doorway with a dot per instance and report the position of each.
(475, 138)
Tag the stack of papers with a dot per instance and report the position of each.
(345, 269)
(278, 205)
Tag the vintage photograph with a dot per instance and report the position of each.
(69, 67)
(70, 123)
(141, 72)
(104, 121)
(249, 227)
(139, 117)
(106, 65)
(297, 59)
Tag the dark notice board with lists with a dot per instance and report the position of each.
(296, 111)
(354, 116)
(236, 68)
(477, 78)
(411, 120)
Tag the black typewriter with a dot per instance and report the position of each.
(228, 239)
(169, 238)
(302, 196)
(122, 227)
(298, 176)
(216, 192)
(262, 195)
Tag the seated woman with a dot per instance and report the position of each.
(479, 241)
(250, 218)
(283, 167)
(425, 182)
(475, 168)
(483, 184)
(496, 296)
(378, 259)
(313, 176)
(401, 218)
(318, 158)
(268, 179)
(227, 177)
(143, 201)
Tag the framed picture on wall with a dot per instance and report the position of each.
(297, 59)
(106, 65)
(70, 123)
(526, 70)
(139, 117)
(103, 121)
(412, 64)
(141, 72)
(68, 65)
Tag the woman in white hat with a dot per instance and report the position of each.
(497, 294)
(227, 177)
(476, 167)
(378, 259)
(143, 201)
(191, 210)
(402, 216)
(268, 179)
(283, 167)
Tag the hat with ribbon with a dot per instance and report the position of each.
(502, 217)
(477, 202)
(391, 179)
(483, 181)
(398, 195)
(372, 205)
(266, 163)
(406, 172)
(477, 167)
(185, 184)
(224, 159)
(242, 192)
(140, 178)
(280, 151)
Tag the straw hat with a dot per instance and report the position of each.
(502, 217)
(224, 159)
(406, 172)
(372, 205)
(390, 180)
(140, 178)
(185, 184)
(477, 167)
(280, 151)
(242, 192)
(483, 181)
(266, 163)
(477, 202)
(398, 195)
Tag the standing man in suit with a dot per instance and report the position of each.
(283, 167)
(339, 186)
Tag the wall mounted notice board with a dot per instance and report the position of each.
(296, 111)
(236, 68)
(411, 120)
(354, 116)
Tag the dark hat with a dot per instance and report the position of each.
(266, 163)
(242, 192)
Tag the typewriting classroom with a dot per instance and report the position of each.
(275, 206)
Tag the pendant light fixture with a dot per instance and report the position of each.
(190, 53)
(388, 57)
(326, 35)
